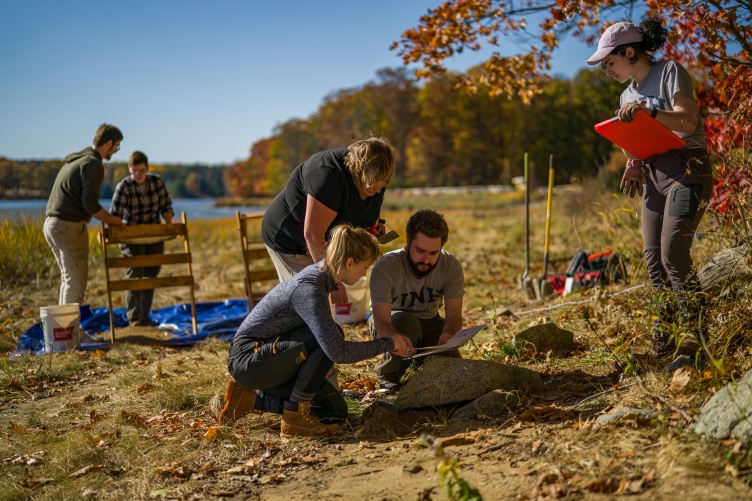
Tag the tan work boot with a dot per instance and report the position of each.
(238, 402)
(297, 420)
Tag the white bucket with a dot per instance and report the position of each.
(61, 326)
(356, 310)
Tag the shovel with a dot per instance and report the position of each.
(542, 286)
(526, 283)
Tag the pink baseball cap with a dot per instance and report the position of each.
(616, 35)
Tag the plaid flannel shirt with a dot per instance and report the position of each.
(136, 207)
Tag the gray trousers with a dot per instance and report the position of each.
(69, 242)
(680, 184)
(292, 361)
(138, 303)
(422, 332)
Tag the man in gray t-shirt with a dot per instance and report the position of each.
(408, 287)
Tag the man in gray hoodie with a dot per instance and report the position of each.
(74, 200)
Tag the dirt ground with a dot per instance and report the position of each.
(142, 417)
(550, 454)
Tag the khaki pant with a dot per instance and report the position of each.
(288, 265)
(69, 242)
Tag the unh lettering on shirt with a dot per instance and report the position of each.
(411, 300)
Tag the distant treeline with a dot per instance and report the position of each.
(443, 136)
(34, 178)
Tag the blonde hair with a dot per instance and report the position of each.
(370, 161)
(348, 242)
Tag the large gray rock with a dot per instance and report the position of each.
(621, 414)
(728, 413)
(725, 267)
(445, 380)
(545, 337)
(491, 404)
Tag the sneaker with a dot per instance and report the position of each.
(238, 402)
(298, 420)
(390, 382)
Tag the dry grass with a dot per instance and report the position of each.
(143, 417)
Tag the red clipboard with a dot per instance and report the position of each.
(643, 137)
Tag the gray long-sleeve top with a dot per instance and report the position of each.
(304, 300)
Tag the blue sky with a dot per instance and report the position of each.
(191, 81)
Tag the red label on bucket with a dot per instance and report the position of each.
(63, 333)
(342, 309)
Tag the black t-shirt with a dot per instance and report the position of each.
(324, 176)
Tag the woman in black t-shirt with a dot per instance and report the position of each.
(339, 186)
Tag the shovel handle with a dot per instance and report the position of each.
(548, 212)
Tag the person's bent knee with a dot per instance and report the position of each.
(407, 324)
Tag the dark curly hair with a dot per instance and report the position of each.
(430, 223)
(654, 36)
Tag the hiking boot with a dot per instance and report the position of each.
(297, 420)
(238, 402)
(696, 362)
(390, 382)
(664, 316)
(663, 342)
(689, 345)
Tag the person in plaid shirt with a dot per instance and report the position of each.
(140, 199)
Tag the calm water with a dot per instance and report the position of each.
(194, 209)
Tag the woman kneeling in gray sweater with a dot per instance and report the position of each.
(283, 350)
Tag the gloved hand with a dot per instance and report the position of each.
(627, 112)
(634, 178)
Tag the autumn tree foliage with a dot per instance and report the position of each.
(712, 38)
(247, 178)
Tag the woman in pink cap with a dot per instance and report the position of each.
(675, 186)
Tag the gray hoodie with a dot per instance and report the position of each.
(75, 194)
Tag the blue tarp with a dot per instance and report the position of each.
(215, 319)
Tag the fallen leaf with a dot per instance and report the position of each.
(608, 486)
(17, 428)
(178, 469)
(241, 470)
(86, 469)
(272, 478)
(144, 388)
(212, 433)
(134, 419)
(547, 413)
(680, 380)
(36, 481)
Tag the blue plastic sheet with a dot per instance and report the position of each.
(214, 319)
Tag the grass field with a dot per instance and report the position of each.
(139, 421)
